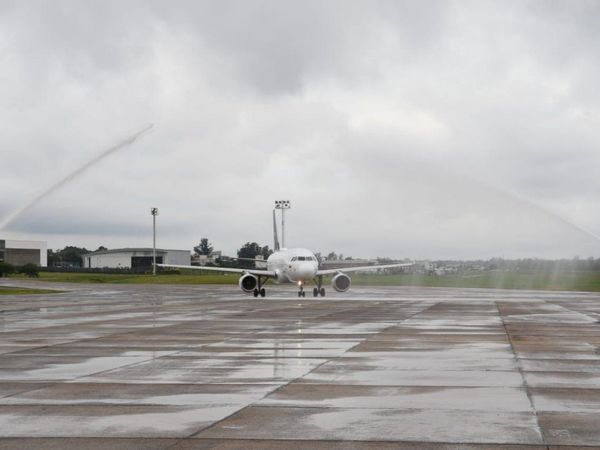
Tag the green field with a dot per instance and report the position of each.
(567, 281)
(191, 278)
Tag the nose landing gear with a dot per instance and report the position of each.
(301, 292)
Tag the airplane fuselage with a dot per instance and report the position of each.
(294, 265)
(290, 265)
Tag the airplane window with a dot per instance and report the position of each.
(301, 258)
(294, 258)
(309, 258)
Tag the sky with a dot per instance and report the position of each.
(403, 129)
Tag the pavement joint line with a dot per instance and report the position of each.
(513, 331)
(419, 444)
(559, 303)
(522, 373)
(370, 408)
(26, 391)
(253, 403)
(277, 387)
(110, 321)
(282, 386)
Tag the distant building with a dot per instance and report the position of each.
(134, 258)
(203, 260)
(260, 262)
(18, 252)
(344, 263)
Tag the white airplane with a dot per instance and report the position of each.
(294, 265)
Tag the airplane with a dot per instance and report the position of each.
(294, 265)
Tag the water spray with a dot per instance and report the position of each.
(526, 201)
(12, 216)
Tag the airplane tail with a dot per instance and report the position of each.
(275, 238)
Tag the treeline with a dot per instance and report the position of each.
(545, 265)
(70, 256)
(522, 265)
(30, 270)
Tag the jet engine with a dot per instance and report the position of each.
(341, 282)
(248, 283)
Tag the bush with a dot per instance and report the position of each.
(6, 269)
(31, 270)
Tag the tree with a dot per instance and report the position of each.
(331, 256)
(72, 255)
(249, 250)
(204, 248)
(102, 248)
(266, 252)
(6, 269)
(31, 270)
(52, 257)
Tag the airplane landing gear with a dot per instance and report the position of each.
(301, 292)
(319, 290)
(260, 290)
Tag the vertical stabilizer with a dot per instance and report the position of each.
(275, 239)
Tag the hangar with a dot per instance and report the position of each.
(134, 258)
(18, 253)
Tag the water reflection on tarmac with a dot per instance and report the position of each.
(208, 367)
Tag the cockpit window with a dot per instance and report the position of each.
(293, 259)
(301, 258)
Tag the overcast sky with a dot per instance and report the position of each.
(420, 129)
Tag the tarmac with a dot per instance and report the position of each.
(207, 367)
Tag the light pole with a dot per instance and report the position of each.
(154, 212)
(282, 205)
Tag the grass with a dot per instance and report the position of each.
(8, 290)
(191, 278)
(567, 281)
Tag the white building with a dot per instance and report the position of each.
(18, 253)
(203, 260)
(134, 258)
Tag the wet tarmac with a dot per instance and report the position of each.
(206, 367)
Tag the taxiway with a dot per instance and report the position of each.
(207, 367)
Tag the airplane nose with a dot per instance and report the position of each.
(305, 271)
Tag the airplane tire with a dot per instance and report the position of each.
(263, 292)
(315, 292)
(255, 292)
(322, 292)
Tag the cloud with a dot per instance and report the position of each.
(418, 129)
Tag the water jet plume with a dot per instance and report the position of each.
(12, 216)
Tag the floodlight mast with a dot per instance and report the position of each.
(154, 212)
(282, 205)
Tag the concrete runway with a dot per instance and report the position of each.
(207, 367)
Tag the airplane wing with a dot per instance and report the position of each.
(357, 269)
(262, 273)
